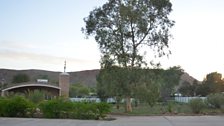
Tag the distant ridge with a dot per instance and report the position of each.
(86, 77)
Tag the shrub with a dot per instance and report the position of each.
(3, 103)
(55, 108)
(216, 100)
(36, 96)
(59, 108)
(16, 106)
(170, 105)
(84, 110)
(197, 105)
(103, 109)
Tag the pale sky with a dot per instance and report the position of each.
(41, 34)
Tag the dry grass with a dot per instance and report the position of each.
(164, 109)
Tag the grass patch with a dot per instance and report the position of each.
(158, 109)
(169, 108)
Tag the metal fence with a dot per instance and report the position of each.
(186, 99)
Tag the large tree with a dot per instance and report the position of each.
(213, 83)
(78, 90)
(112, 82)
(117, 82)
(171, 79)
(123, 28)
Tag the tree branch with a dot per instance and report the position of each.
(149, 29)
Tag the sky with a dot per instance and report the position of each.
(42, 34)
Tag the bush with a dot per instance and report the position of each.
(84, 110)
(103, 109)
(59, 108)
(216, 100)
(197, 105)
(36, 96)
(3, 103)
(55, 108)
(170, 105)
(16, 106)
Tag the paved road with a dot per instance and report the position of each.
(121, 121)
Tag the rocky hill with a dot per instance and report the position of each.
(87, 77)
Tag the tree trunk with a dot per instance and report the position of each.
(128, 104)
(118, 106)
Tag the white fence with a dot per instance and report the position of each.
(112, 100)
(92, 99)
(186, 99)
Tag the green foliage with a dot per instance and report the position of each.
(78, 90)
(171, 78)
(122, 28)
(187, 89)
(148, 88)
(213, 83)
(84, 110)
(55, 108)
(197, 105)
(170, 106)
(113, 82)
(216, 100)
(158, 109)
(20, 78)
(36, 96)
(3, 103)
(203, 90)
(16, 106)
(60, 108)
(103, 108)
(143, 84)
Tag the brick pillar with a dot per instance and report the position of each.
(64, 84)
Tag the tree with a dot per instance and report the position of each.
(123, 27)
(171, 78)
(213, 83)
(149, 88)
(202, 90)
(20, 78)
(146, 83)
(111, 82)
(187, 89)
(78, 90)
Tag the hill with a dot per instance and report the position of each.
(87, 77)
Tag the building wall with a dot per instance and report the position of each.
(64, 83)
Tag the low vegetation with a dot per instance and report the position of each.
(216, 100)
(60, 108)
(197, 105)
(16, 106)
(19, 106)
